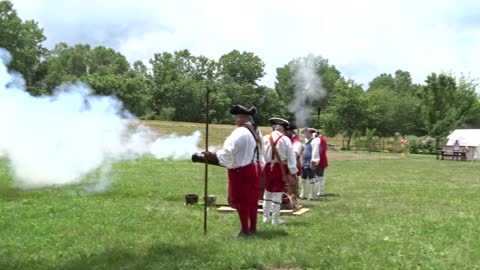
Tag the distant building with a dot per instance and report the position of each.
(469, 138)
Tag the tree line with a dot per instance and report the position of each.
(173, 86)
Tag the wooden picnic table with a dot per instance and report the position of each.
(454, 155)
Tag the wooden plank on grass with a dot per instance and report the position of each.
(301, 211)
(230, 209)
(226, 209)
(282, 212)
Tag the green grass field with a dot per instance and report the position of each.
(391, 213)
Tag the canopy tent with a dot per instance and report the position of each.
(466, 138)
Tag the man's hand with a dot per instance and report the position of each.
(210, 158)
(209, 155)
(313, 166)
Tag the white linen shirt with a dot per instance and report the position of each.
(316, 150)
(238, 149)
(298, 148)
(284, 149)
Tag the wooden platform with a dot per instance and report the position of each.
(282, 212)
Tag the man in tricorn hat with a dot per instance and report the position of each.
(242, 155)
(280, 161)
(298, 149)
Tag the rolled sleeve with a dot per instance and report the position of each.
(225, 156)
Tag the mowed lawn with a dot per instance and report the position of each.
(389, 213)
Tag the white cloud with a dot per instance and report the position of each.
(362, 38)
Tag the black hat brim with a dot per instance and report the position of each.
(279, 121)
(239, 109)
(291, 127)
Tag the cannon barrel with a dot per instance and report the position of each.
(200, 158)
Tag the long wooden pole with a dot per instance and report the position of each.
(206, 163)
(318, 117)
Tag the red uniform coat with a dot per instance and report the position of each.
(323, 153)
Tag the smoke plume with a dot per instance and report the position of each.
(308, 88)
(60, 139)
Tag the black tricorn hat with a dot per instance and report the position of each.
(239, 109)
(291, 126)
(279, 121)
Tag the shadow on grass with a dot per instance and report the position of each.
(298, 223)
(332, 195)
(30, 196)
(10, 194)
(329, 197)
(160, 256)
(270, 234)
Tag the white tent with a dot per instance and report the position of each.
(466, 137)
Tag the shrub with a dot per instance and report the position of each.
(369, 142)
(421, 145)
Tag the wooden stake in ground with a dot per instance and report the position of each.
(205, 196)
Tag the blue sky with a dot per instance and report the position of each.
(361, 38)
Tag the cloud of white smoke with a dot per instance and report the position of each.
(58, 140)
(308, 88)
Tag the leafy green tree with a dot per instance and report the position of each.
(65, 64)
(70, 63)
(106, 61)
(285, 84)
(447, 105)
(179, 84)
(23, 39)
(468, 100)
(383, 81)
(241, 68)
(390, 112)
(328, 74)
(346, 112)
(393, 105)
(269, 104)
(140, 69)
(403, 82)
(131, 90)
(105, 70)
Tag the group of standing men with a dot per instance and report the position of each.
(280, 157)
